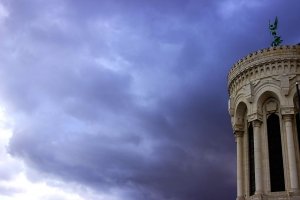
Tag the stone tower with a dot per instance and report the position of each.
(263, 106)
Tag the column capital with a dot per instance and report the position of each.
(287, 110)
(287, 117)
(238, 127)
(238, 133)
(255, 116)
(256, 123)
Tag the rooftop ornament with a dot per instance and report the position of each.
(273, 29)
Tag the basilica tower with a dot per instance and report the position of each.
(264, 110)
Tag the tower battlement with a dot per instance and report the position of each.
(264, 63)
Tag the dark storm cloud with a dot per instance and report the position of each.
(131, 96)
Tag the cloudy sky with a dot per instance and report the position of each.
(124, 99)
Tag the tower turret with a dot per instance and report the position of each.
(263, 105)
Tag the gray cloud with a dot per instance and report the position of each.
(130, 96)
(8, 191)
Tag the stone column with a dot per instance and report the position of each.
(291, 152)
(239, 154)
(257, 156)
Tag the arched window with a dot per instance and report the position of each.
(275, 154)
(251, 160)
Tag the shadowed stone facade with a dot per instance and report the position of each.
(263, 106)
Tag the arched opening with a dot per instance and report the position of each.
(251, 159)
(240, 114)
(269, 105)
(275, 154)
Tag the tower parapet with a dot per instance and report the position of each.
(264, 63)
